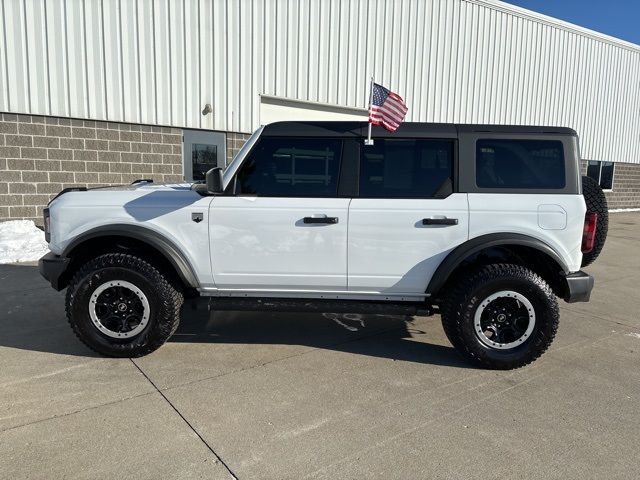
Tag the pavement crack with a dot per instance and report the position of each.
(206, 444)
(62, 415)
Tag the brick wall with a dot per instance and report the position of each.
(234, 143)
(626, 185)
(39, 156)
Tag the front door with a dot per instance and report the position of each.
(406, 218)
(284, 228)
(202, 150)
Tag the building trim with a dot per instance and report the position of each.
(274, 99)
(555, 23)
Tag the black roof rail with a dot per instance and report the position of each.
(69, 189)
(354, 129)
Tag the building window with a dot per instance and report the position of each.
(601, 172)
(203, 158)
(202, 150)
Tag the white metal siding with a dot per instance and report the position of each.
(471, 61)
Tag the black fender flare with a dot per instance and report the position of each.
(475, 245)
(158, 241)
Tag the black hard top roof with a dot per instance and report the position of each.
(406, 129)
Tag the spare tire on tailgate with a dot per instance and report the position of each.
(597, 203)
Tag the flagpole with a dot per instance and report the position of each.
(368, 140)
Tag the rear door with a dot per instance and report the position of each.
(406, 217)
(284, 229)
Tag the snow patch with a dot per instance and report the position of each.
(21, 241)
(633, 334)
(620, 210)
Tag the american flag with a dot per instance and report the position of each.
(387, 108)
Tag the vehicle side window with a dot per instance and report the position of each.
(537, 164)
(291, 167)
(407, 168)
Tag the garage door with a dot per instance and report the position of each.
(276, 109)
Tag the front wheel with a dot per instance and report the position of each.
(120, 305)
(501, 316)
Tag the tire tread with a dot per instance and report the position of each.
(463, 291)
(168, 312)
(596, 202)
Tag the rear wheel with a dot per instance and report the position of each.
(122, 306)
(501, 316)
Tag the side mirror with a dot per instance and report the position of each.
(214, 180)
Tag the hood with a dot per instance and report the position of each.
(147, 186)
(137, 186)
(145, 194)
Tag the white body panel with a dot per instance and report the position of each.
(379, 248)
(262, 243)
(164, 209)
(260, 246)
(524, 214)
(390, 251)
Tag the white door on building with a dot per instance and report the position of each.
(285, 228)
(201, 151)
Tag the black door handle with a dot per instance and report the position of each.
(329, 220)
(439, 221)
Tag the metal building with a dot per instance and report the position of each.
(212, 71)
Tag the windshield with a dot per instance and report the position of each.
(237, 160)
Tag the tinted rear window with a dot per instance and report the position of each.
(534, 164)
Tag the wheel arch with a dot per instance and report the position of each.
(144, 241)
(514, 247)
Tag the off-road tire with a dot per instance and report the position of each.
(461, 303)
(596, 202)
(165, 300)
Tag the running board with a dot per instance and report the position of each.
(319, 305)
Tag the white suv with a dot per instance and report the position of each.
(485, 225)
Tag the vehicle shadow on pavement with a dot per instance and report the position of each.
(32, 314)
(32, 318)
(386, 336)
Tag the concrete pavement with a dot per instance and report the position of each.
(279, 396)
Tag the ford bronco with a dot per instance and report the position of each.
(486, 225)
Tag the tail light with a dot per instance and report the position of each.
(589, 232)
(47, 225)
